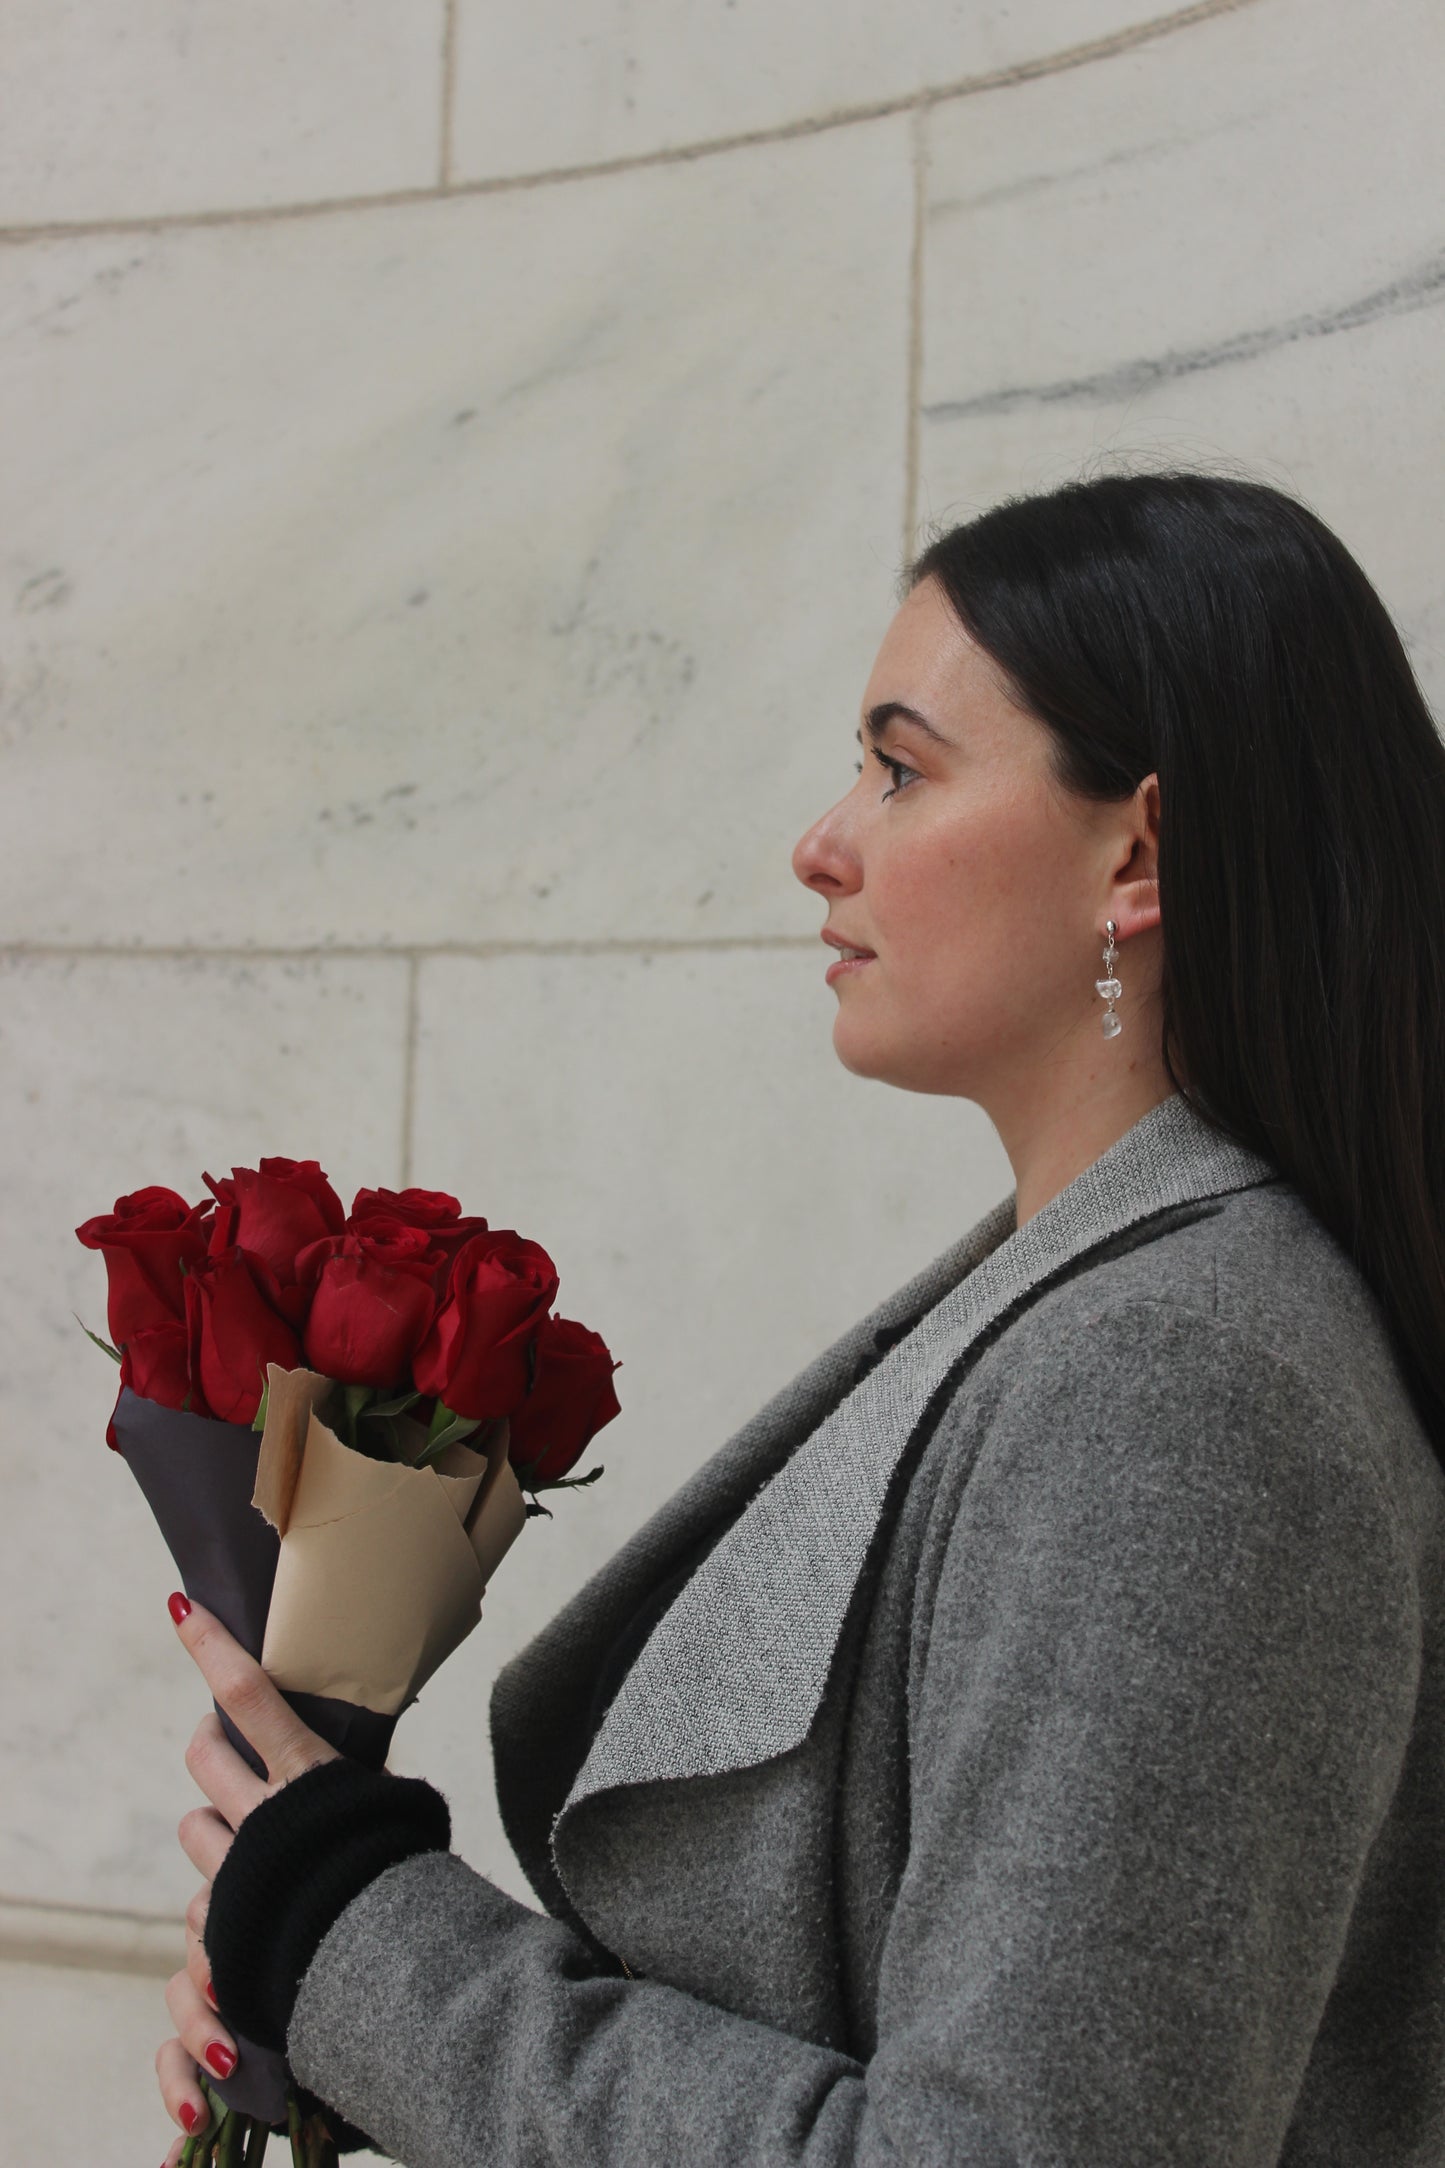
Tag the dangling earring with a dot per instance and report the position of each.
(1109, 986)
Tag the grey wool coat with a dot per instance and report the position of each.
(1041, 1766)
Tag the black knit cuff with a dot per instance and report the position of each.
(295, 1864)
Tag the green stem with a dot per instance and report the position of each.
(293, 2130)
(200, 2142)
(355, 1398)
(256, 2148)
(320, 2152)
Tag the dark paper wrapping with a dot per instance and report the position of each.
(197, 1476)
(327, 1566)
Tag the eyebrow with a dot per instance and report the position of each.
(877, 719)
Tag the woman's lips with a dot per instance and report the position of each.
(844, 965)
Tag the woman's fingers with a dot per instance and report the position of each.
(228, 1782)
(185, 2103)
(202, 2035)
(198, 1965)
(206, 1837)
(197, 1909)
(255, 1706)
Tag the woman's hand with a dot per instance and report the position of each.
(257, 1709)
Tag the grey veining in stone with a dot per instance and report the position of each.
(1421, 288)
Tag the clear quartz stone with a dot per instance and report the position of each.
(1112, 1026)
(1109, 988)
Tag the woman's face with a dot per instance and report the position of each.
(979, 885)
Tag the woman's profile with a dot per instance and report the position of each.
(1022, 1744)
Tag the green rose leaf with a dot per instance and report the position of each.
(113, 1352)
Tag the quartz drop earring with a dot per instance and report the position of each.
(1109, 986)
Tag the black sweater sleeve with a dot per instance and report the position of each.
(295, 1864)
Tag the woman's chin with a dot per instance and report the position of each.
(856, 1050)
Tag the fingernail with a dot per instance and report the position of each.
(178, 1607)
(221, 2058)
(211, 1996)
(189, 2116)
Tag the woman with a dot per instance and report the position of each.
(1024, 1741)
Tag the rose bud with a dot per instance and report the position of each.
(570, 1401)
(149, 1242)
(432, 1209)
(413, 1207)
(274, 1211)
(372, 1299)
(156, 1365)
(474, 1357)
(234, 1334)
(290, 1299)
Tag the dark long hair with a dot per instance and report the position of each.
(1214, 631)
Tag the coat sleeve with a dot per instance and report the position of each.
(1162, 1689)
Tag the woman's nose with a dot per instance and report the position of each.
(824, 857)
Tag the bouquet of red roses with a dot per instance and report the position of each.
(333, 1417)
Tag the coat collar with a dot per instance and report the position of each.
(734, 1671)
(735, 1668)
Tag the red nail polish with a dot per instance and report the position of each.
(189, 2116)
(221, 2059)
(178, 1607)
(211, 1996)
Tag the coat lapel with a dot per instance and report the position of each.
(734, 1671)
(541, 1697)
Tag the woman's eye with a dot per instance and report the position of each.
(896, 768)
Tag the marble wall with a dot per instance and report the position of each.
(458, 460)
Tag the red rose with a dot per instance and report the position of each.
(288, 1298)
(373, 1295)
(149, 1242)
(274, 1211)
(570, 1400)
(431, 1209)
(156, 1365)
(234, 1333)
(474, 1356)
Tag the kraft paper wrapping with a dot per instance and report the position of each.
(382, 1567)
(359, 1581)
